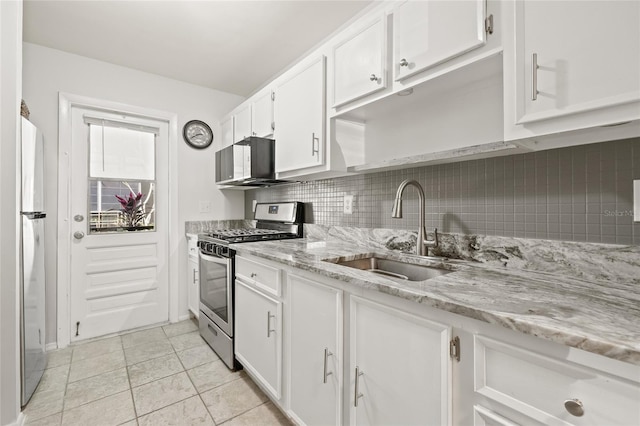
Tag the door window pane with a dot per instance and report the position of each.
(121, 206)
(121, 153)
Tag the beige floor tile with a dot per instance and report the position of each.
(143, 337)
(211, 375)
(131, 423)
(97, 365)
(54, 379)
(186, 341)
(96, 348)
(96, 387)
(232, 399)
(54, 420)
(181, 327)
(44, 404)
(110, 411)
(157, 368)
(162, 393)
(264, 415)
(148, 351)
(188, 412)
(59, 357)
(199, 355)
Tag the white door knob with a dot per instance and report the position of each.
(78, 235)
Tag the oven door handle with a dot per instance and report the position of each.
(214, 258)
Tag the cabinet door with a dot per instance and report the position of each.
(242, 123)
(262, 116)
(300, 118)
(402, 364)
(226, 127)
(194, 286)
(358, 64)
(427, 33)
(315, 351)
(587, 54)
(258, 336)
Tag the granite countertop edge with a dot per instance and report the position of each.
(594, 316)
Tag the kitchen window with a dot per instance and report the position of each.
(121, 176)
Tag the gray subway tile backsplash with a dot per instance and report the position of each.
(582, 193)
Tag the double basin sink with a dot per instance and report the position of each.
(394, 269)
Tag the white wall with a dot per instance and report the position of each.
(10, 84)
(47, 72)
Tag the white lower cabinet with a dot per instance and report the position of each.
(552, 391)
(361, 357)
(258, 336)
(193, 275)
(315, 354)
(399, 367)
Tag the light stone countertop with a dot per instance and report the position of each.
(598, 316)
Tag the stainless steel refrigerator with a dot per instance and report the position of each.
(34, 359)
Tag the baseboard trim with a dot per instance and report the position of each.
(51, 347)
(185, 317)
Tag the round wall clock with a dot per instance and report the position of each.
(197, 134)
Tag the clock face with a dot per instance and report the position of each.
(197, 134)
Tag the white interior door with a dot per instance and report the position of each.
(119, 262)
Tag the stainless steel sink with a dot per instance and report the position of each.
(393, 268)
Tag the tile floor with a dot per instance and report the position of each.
(160, 376)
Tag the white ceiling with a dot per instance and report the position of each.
(234, 46)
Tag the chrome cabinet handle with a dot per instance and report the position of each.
(253, 275)
(357, 394)
(574, 407)
(194, 276)
(404, 62)
(373, 77)
(269, 330)
(78, 235)
(326, 374)
(534, 76)
(314, 151)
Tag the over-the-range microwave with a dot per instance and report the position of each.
(250, 162)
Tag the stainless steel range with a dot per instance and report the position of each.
(274, 221)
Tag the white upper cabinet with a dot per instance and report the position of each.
(575, 65)
(262, 123)
(242, 123)
(226, 128)
(427, 33)
(300, 117)
(359, 63)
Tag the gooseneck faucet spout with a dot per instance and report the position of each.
(423, 244)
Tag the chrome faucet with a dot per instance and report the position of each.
(423, 244)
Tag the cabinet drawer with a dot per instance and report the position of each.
(538, 386)
(265, 277)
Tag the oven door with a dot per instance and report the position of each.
(216, 290)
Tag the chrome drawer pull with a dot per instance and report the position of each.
(357, 394)
(269, 330)
(327, 354)
(534, 76)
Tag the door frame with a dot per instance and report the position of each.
(66, 102)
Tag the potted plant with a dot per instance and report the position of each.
(132, 210)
